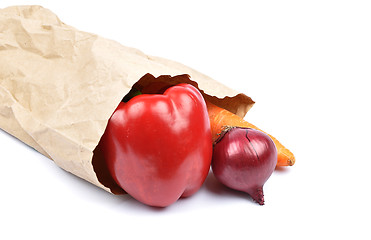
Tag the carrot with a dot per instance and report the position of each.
(220, 119)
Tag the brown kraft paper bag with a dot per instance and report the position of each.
(59, 86)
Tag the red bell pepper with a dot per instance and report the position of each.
(158, 147)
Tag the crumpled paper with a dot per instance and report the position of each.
(59, 86)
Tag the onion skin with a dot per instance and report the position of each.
(244, 159)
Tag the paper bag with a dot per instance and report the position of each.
(59, 86)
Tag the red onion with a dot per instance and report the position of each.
(244, 159)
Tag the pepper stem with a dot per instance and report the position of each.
(133, 92)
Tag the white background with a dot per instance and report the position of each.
(306, 64)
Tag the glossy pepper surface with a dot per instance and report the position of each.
(158, 147)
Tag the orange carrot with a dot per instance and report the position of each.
(221, 118)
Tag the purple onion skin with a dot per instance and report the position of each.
(244, 159)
